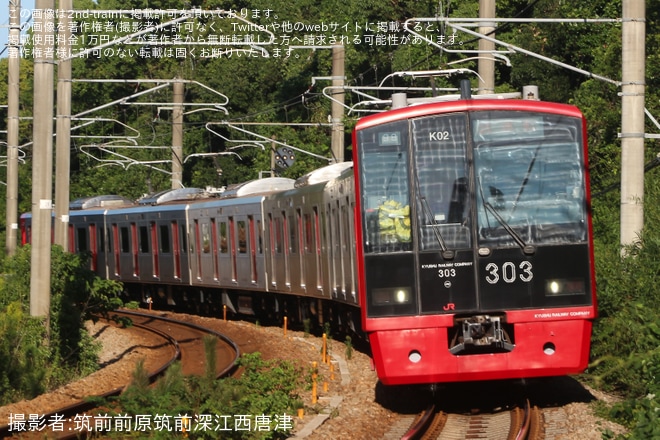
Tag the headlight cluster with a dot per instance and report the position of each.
(391, 296)
(560, 287)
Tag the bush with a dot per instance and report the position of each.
(34, 359)
(626, 338)
(264, 395)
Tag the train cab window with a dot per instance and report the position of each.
(82, 239)
(164, 239)
(224, 241)
(441, 181)
(144, 240)
(385, 187)
(125, 239)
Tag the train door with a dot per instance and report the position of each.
(134, 250)
(93, 249)
(232, 249)
(155, 254)
(274, 246)
(318, 251)
(176, 249)
(214, 249)
(72, 238)
(116, 248)
(224, 256)
(245, 252)
(335, 254)
(348, 250)
(280, 261)
(298, 251)
(346, 260)
(256, 248)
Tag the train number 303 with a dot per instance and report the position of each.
(509, 272)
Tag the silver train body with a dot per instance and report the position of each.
(272, 246)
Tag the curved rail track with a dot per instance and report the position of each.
(520, 423)
(183, 341)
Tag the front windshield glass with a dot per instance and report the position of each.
(529, 177)
(441, 181)
(385, 187)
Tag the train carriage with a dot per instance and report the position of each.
(475, 259)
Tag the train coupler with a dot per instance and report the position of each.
(481, 331)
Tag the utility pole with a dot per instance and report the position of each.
(177, 134)
(12, 125)
(42, 161)
(338, 75)
(632, 120)
(486, 63)
(63, 140)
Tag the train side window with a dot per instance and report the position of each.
(106, 239)
(82, 239)
(260, 240)
(194, 237)
(224, 241)
(309, 236)
(278, 235)
(101, 240)
(184, 239)
(144, 240)
(206, 238)
(164, 239)
(125, 239)
(293, 247)
(242, 237)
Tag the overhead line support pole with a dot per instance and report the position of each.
(632, 121)
(338, 75)
(42, 162)
(177, 134)
(13, 91)
(486, 63)
(63, 139)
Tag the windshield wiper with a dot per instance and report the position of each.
(446, 253)
(526, 248)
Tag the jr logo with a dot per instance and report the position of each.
(450, 306)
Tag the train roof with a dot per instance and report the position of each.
(324, 174)
(173, 195)
(463, 105)
(104, 201)
(258, 186)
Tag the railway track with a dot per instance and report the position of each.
(519, 423)
(179, 341)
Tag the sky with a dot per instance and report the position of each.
(27, 5)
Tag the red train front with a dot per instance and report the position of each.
(475, 256)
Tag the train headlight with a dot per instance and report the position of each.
(562, 286)
(391, 296)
